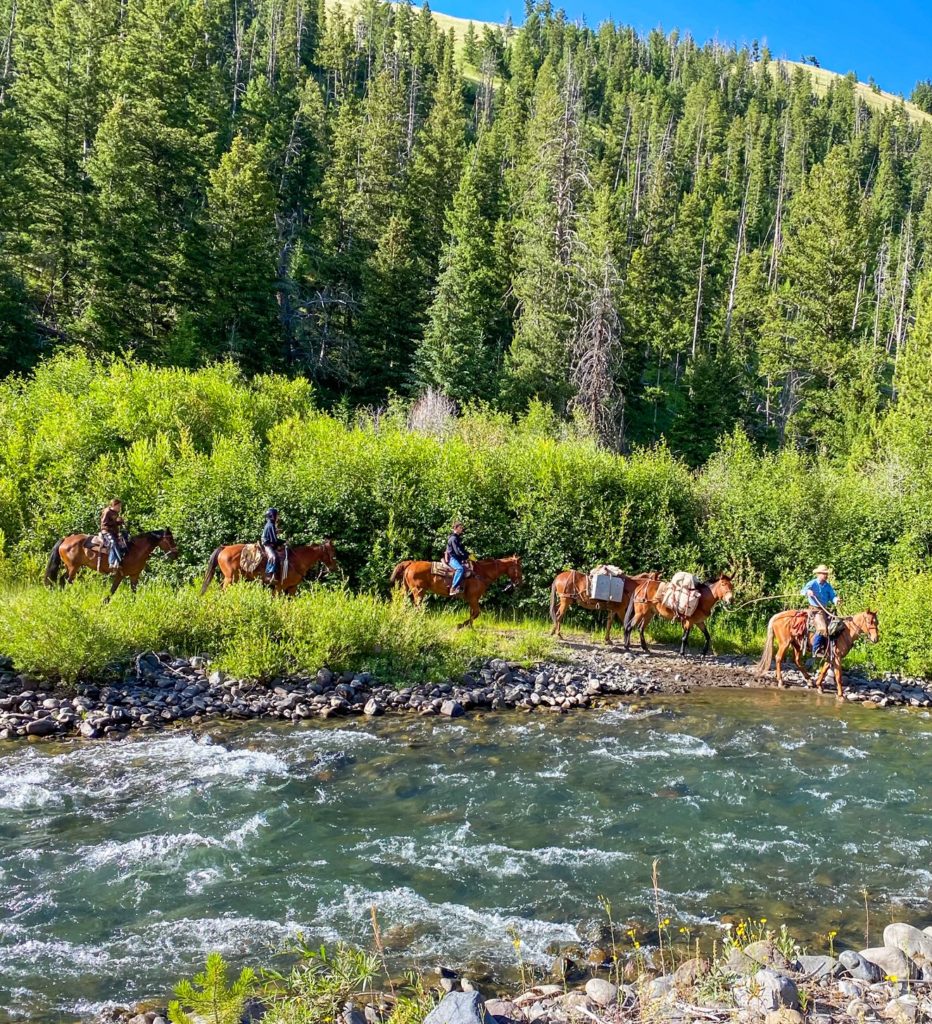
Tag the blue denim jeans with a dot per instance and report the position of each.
(458, 574)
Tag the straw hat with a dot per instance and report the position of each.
(820, 569)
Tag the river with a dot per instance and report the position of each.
(122, 864)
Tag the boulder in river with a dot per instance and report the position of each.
(42, 727)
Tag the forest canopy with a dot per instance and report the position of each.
(658, 239)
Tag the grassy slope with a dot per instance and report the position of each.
(821, 77)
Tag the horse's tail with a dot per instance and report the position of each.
(629, 611)
(766, 658)
(553, 602)
(211, 569)
(53, 566)
(398, 572)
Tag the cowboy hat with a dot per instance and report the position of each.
(820, 569)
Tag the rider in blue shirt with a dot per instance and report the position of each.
(821, 596)
(270, 542)
(457, 556)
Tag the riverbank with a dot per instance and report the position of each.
(749, 972)
(158, 691)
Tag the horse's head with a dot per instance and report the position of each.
(513, 571)
(870, 624)
(723, 589)
(166, 541)
(328, 554)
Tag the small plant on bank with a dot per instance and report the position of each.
(412, 1002)
(318, 985)
(208, 998)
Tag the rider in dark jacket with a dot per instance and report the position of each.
(457, 556)
(270, 542)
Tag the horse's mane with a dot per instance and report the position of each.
(155, 535)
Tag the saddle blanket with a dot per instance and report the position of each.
(682, 594)
(446, 572)
(800, 624)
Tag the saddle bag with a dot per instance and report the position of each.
(836, 627)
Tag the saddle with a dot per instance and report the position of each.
(253, 558)
(446, 572)
(681, 595)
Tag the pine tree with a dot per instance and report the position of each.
(240, 310)
(467, 325)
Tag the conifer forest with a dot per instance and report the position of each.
(659, 239)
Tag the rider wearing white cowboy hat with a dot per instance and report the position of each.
(821, 596)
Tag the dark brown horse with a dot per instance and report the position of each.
(301, 559)
(419, 580)
(572, 587)
(647, 602)
(77, 551)
(780, 628)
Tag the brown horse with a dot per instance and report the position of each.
(75, 552)
(780, 628)
(301, 559)
(419, 580)
(647, 602)
(572, 587)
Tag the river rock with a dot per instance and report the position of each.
(914, 943)
(818, 967)
(737, 963)
(452, 709)
(660, 988)
(601, 992)
(503, 1010)
(768, 990)
(41, 727)
(690, 972)
(858, 1009)
(858, 967)
(352, 1015)
(459, 1008)
(373, 707)
(902, 1010)
(766, 954)
(892, 961)
(784, 1016)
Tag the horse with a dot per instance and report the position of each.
(75, 552)
(418, 580)
(301, 559)
(647, 601)
(780, 628)
(572, 587)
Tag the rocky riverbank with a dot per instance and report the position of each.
(159, 691)
(769, 980)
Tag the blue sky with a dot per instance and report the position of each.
(891, 41)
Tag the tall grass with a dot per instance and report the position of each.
(247, 631)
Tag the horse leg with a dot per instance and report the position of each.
(799, 663)
(473, 612)
(781, 653)
(820, 676)
(558, 618)
(708, 638)
(838, 674)
(417, 596)
(134, 583)
(117, 580)
(608, 627)
(684, 641)
(642, 624)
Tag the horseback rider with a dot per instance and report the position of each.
(271, 544)
(457, 557)
(111, 531)
(821, 596)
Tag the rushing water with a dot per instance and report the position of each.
(122, 864)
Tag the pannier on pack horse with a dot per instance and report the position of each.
(683, 599)
(422, 578)
(82, 550)
(572, 587)
(247, 562)
(789, 629)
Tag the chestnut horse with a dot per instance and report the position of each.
(301, 559)
(647, 602)
(418, 580)
(780, 628)
(572, 587)
(75, 553)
